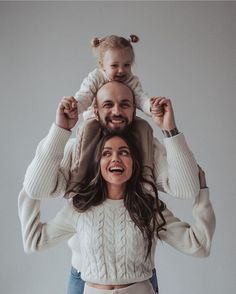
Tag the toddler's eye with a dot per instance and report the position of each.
(114, 65)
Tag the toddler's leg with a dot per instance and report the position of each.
(86, 142)
(143, 133)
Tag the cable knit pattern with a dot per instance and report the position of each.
(111, 247)
(108, 248)
(175, 168)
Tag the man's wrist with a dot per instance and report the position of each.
(170, 133)
(62, 127)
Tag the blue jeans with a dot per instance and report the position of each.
(76, 284)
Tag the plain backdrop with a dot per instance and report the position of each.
(187, 51)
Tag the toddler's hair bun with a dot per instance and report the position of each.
(134, 38)
(95, 42)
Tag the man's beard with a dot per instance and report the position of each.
(107, 130)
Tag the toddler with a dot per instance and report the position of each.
(115, 57)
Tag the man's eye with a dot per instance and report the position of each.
(125, 105)
(107, 105)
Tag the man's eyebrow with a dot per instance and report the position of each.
(126, 100)
(105, 101)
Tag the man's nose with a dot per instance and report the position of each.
(116, 110)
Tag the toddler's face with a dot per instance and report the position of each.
(117, 64)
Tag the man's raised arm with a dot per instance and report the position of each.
(48, 173)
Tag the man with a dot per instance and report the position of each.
(50, 171)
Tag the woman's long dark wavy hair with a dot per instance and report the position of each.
(144, 209)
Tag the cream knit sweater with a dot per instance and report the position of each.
(97, 78)
(109, 248)
(175, 168)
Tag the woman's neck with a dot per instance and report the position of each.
(115, 192)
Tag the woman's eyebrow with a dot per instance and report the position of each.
(121, 147)
(124, 147)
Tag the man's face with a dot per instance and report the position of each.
(115, 106)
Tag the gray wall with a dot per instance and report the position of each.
(187, 52)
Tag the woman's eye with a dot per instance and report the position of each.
(124, 152)
(105, 154)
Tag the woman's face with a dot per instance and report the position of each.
(116, 162)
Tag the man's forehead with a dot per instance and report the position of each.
(115, 99)
(115, 92)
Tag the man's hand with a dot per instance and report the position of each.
(162, 113)
(67, 113)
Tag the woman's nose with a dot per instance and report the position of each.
(115, 158)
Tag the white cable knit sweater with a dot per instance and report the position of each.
(175, 168)
(109, 248)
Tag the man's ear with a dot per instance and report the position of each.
(95, 110)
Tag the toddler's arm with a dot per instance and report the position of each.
(88, 89)
(142, 99)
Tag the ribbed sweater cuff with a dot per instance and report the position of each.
(184, 165)
(58, 137)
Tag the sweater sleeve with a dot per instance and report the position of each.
(48, 173)
(142, 99)
(37, 235)
(175, 169)
(88, 89)
(193, 239)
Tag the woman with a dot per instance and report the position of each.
(119, 221)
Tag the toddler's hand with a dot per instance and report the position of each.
(156, 109)
(162, 112)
